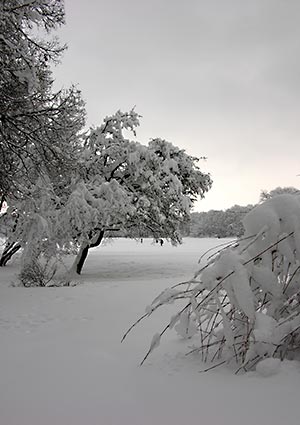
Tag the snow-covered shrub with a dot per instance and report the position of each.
(36, 273)
(243, 305)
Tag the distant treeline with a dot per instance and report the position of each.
(218, 223)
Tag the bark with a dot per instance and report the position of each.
(10, 249)
(84, 250)
(83, 256)
(2, 202)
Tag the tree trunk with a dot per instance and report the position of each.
(2, 202)
(84, 250)
(82, 257)
(10, 249)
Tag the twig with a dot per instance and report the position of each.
(213, 367)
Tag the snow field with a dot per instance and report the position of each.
(61, 360)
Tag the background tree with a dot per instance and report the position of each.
(264, 195)
(219, 223)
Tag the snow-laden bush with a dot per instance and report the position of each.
(243, 305)
(36, 274)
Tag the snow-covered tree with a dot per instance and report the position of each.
(119, 184)
(264, 195)
(127, 186)
(243, 305)
(38, 127)
(64, 191)
(218, 223)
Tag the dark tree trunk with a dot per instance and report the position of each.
(82, 257)
(2, 202)
(10, 249)
(83, 253)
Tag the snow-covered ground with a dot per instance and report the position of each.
(62, 363)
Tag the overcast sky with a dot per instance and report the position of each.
(218, 78)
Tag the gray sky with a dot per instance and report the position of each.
(218, 78)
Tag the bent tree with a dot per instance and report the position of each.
(119, 184)
(127, 186)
